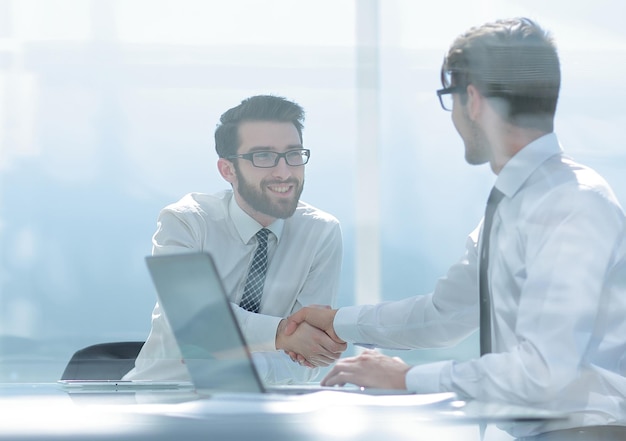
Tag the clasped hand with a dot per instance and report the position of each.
(369, 369)
(308, 338)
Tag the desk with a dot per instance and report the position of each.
(47, 412)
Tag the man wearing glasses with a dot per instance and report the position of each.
(543, 276)
(275, 253)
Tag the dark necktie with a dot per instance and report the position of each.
(485, 298)
(256, 274)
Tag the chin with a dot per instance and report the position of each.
(474, 159)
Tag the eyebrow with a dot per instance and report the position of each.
(271, 148)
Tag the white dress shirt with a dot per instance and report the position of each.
(304, 264)
(558, 283)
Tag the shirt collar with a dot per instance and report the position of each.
(525, 162)
(248, 227)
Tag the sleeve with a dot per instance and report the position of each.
(441, 318)
(559, 311)
(183, 232)
(319, 288)
(159, 358)
(177, 233)
(322, 282)
(259, 329)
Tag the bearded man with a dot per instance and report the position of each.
(260, 219)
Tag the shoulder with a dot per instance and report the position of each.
(308, 214)
(568, 187)
(313, 223)
(584, 181)
(201, 203)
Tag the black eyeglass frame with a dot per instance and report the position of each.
(304, 153)
(448, 91)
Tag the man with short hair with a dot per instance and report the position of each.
(261, 154)
(547, 283)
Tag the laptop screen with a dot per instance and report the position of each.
(192, 297)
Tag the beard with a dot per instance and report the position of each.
(260, 200)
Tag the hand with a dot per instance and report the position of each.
(308, 345)
(370, 369)
(320, 317)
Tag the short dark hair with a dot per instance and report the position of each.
(255, 108)
(513, 59)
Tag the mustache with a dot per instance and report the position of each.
(292, 181)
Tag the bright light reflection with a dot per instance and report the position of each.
(270, 22)
(341, 422)
(58, 417)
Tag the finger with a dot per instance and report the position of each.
(316, 364)
(323, 354)
(307, 363)
(329, 345)
(291, 327)
(334, 378)
(334, 337)
(335, 348)
(316, 360)
(302, 361)
(321, 360)
(294, 320)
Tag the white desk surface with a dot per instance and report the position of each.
(48, 412)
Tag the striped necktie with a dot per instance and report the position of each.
(256, 274)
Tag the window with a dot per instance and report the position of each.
(107, 112)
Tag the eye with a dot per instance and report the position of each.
(264, 156)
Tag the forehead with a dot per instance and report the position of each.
(271, 134)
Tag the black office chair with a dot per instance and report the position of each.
(104, 361)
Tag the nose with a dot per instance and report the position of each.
(281, 170)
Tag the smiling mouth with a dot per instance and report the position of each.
(280, 189)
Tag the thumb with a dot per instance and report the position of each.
(294, 320)
(320, 306)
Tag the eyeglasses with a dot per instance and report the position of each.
(445, 96)
(269, 159)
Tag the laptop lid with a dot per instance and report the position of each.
(214, 350)
(194, 301)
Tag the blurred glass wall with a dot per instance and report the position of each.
(107, 113)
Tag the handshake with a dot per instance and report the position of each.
(309, 338)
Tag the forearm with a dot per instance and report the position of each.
(277, 368)
(404, 324)
(259, 330)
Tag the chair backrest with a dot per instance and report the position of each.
(103, 361)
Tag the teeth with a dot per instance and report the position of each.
(280, 189)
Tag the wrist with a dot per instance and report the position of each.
(280, 332)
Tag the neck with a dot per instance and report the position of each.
(509, 142)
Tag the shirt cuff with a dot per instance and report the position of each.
(426, 378)
(261, 332)
(346, 326)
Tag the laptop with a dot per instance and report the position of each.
(212, 345)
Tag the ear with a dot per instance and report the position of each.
(227, 170)
(475, 102)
